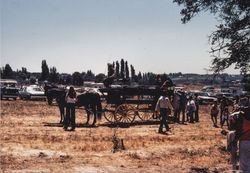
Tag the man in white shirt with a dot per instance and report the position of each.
(163, 106)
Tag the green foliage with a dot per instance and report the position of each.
(90, 76)
(231, 41)
(53, 75)
(132, 72)
(117, 68)
(100, 77)
(45, 71)
(126, 70)
(122, 73)
(77, 79)
(6, 72)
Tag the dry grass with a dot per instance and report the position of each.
(33, 141)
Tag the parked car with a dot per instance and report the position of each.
(32, 92)
(204, 97)
(8, 89)
(208, 89)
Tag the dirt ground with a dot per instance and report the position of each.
(32, 140)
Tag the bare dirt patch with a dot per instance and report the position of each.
(33, 141)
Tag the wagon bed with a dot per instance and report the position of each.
(124, 103)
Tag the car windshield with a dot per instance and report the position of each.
(9, 84)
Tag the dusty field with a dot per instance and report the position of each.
(32, 141)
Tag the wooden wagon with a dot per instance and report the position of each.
(124, 103)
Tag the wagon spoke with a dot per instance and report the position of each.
(125, 114)
(144, 112)
(109, 113)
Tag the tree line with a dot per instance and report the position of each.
(50, 74)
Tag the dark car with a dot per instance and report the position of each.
(32, 92)
(8, 89)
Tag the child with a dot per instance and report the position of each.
(225, 117)
(214, 113)
(191, 109)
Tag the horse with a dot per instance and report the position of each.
(59, 95)
(52, 95)
(90, 100)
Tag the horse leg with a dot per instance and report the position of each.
(61, 108)
(94, 114)
(88, 114)
(63, 114)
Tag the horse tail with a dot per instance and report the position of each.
(99, 107)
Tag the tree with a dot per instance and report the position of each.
(231, 41)
(7, 72)
(1, 72)
(53, 75)
(122, 69)
(100, 77)
(139, 78)
(132, 72)
(45, 71)
(77, 79)
(126, 70)
(117, 68)
(90, 76)
(22, 74)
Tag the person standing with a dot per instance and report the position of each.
(225, 117)
(196, 113)
(240, 122)
(244, 145)
(176, 106)
(70, 109)
(183, 103)
(191, 109)
(163, 106)
(214, 113)
(223, 104)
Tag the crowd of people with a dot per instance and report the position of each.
(235, 117)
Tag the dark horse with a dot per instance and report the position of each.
(89, 99)
(53, 92)
(92, 102)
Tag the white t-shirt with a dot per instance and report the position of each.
(163, 102)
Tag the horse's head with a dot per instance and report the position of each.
(55, 93)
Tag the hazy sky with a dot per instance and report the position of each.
(78, 35)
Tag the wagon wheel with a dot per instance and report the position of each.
(144, 112)
(109, 113)
(125, 113)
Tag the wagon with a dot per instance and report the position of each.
(124, 103)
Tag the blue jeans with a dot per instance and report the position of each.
(70, 115)
(164, 116)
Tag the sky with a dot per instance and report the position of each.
(81, 35)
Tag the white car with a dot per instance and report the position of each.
(204, 97)
(32, 92)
